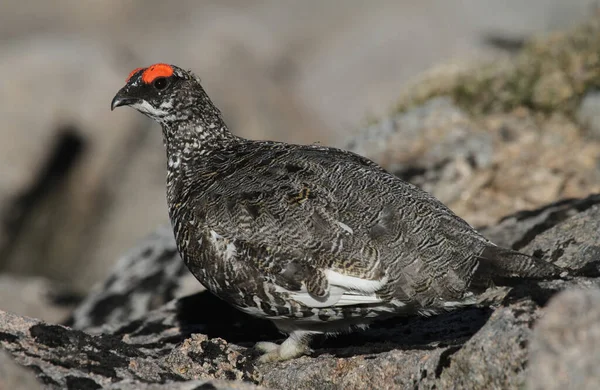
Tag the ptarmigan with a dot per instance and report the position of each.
(315, 239)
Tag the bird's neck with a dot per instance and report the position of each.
(189, 144)
(198, 130)
(185, 143)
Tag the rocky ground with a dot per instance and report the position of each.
(487, 139)
(135, 332)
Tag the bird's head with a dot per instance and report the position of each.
(174, 98)
(160, 91)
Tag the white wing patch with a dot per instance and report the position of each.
(345, 227)
(344, 290)
(215, 236)
(228, 248)
(230, 251)
(354, 283)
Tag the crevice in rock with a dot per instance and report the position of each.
(206, 386)
(419, 174)
(410, 172)
(445, 360)
(68, 148)
(506, 43)
(538, 293)
(217, 319)
(65, 298)
(553, 218)
(579, 204)
(81, 383)
(45, 379)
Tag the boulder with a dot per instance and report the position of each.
(565, 345)
(144, 279)
(38, 297)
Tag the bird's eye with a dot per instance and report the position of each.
(160, 83)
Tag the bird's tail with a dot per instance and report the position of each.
(502, 266)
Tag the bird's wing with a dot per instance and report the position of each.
(333, 228)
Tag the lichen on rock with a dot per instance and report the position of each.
(551, 75)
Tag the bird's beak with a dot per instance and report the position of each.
(121, 99)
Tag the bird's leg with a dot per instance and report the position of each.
(296, 345)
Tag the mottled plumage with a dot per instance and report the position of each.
(316, 239)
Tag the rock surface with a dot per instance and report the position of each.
(37, 297)
(565, 347)
(144, 279)
(64, 358)
(198, 337)
(14, 376)
(518, 230)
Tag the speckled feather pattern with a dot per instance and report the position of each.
(278, 230)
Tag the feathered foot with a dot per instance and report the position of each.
(296, 345)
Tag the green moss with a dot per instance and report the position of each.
(550, 74)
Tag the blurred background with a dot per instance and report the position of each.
(79, 184)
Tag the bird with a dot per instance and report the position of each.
(316, 239)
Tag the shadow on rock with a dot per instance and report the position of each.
(407, 333)
(205, 313)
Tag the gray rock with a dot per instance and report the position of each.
(518, 230)
(496, 356)
(14, 376)
(424, 138)
(588, 114)
(36, 297)
(574, 243)
(197, 384)
(565, 347)
(66, 358)
(144, 279)
(199, 337)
